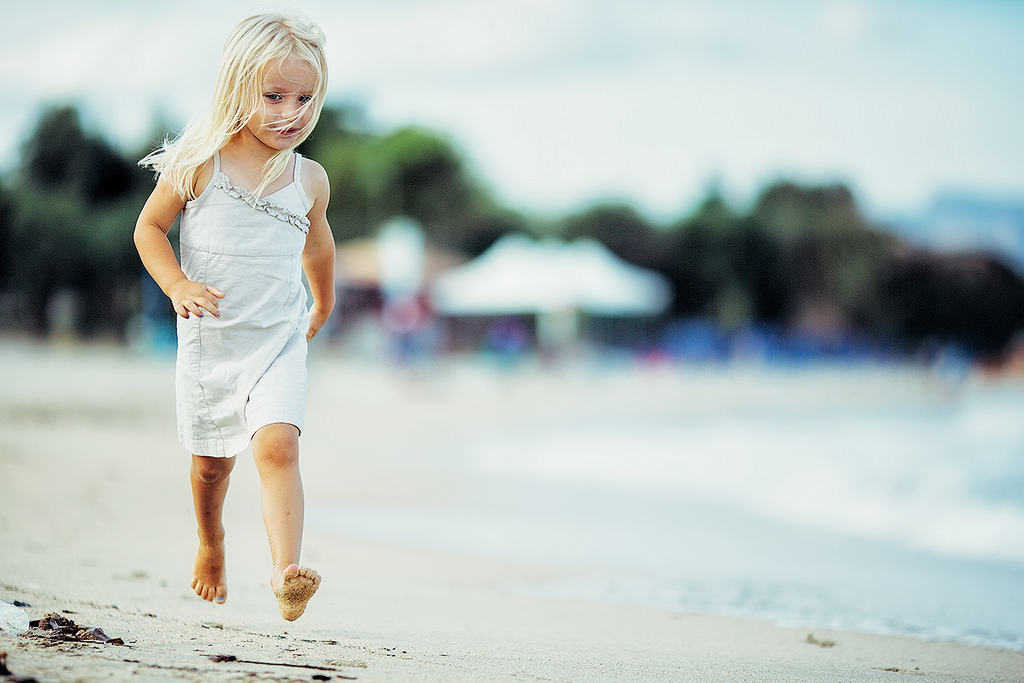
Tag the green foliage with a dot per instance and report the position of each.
(61, 157)
(832, 254)
(409, 172)
(727, 267)
(970, 300)
(619, 227)
(72, 201)
(68, 211)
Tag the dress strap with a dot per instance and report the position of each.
(297, 183)
(216, 162)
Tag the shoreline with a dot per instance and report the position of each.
(446, 624)
(96, 519)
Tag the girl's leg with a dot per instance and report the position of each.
(275, 449)
(209, 487)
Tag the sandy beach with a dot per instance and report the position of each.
(96, 524)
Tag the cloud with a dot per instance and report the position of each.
(846, 22)
(560, 102)
(445, 40)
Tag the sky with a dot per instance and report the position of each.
(558, 104)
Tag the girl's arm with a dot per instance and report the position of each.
(318, 255)
(155, 220)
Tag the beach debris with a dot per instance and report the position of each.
(820, 643)
(65, 629)
(232, 658)
(12, 619)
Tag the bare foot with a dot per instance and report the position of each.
(293, 589)
(208, 573)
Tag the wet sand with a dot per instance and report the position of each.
(96, 524)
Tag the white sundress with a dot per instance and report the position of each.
(247, 368)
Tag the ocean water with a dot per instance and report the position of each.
(894, 516)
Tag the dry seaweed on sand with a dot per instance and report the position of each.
(62, 628)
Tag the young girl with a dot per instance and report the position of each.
(253, 218)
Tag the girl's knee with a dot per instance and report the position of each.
(276, 445)
(211, 470)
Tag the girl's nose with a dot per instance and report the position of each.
(297, 110)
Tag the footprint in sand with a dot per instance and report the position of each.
(297, 586)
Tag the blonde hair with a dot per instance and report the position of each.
(254, 47)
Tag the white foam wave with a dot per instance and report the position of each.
(930, 479)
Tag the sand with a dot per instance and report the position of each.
(96, 524)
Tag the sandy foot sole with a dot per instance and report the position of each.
(294, 589)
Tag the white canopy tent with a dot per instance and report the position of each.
(554, 280)
(519, 275)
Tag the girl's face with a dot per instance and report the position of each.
(287, 88)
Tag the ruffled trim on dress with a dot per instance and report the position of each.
(220, 181)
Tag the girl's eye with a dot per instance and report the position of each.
(273, 97)
(305, 98)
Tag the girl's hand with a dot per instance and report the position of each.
(191, 298)
(317, 317)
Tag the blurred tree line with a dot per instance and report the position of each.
(801, 258)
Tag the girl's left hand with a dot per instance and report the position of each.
(317, 318)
